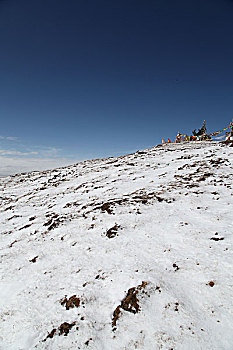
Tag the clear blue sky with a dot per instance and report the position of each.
(86, 78)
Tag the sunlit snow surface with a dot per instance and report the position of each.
(171, 209)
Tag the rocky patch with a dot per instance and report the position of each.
(63, 329)
(34, 259)
(71, 302)
(130, 303)
(112, 232)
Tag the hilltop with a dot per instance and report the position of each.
(132, 252)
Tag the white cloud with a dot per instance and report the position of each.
(4, 152)
(48, 151)
(26, 158)
(9, 138)
(42, 151)
(14, 165)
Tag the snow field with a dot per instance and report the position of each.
(169, 213)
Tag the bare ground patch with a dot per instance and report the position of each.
(130, 303)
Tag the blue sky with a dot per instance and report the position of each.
(85, 79)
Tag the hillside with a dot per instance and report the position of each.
(133, 252)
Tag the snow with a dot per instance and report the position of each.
(170, 211)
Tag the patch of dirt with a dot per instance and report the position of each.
(71, 302)
(87, 342)
(205, 176)
(130, 302)
(112, 232)
(218, 161)
(211, 283)
(133, 198)
(106, 207)
(176, 267)
(63, 329)
(68, 205)
(11, 245)
(176, 307)
(14, 217)
(184, 157)
(54, 221)
(34, 259)
(187, 166)
(9, 208)
(217, 238)
(50, 335)
(26, 226)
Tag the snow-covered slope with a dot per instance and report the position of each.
(132, 252)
